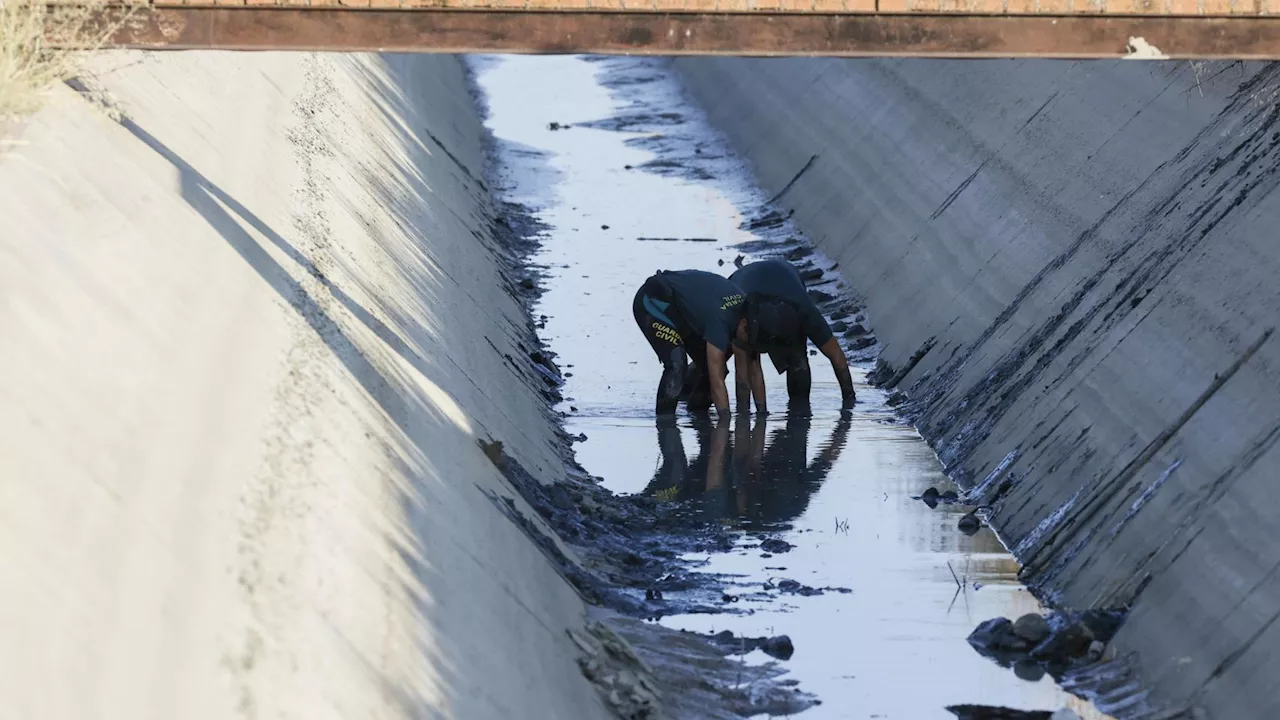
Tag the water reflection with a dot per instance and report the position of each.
(758, 476)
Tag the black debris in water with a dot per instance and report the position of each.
(770, 219)
(794, 587)
(987, 712)
(800, 253)
(779, 646)
(558, 126)
(776, 546)
(933, 498)
(820, 297)
(631, 548)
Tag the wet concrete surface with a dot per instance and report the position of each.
(820, 527)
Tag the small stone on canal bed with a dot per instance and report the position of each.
(930, 497)
(779, 647)
(1028, 670)
(1031, 627)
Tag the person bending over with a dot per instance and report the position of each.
(780, 317)
(692, 314)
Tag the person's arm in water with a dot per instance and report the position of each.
(717, 365)
(840, 364)
(748, 380)
(757, 383)
(741, 380)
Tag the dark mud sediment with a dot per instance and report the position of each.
(628, 564)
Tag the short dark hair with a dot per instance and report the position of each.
(772, 323)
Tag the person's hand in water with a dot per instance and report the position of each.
(848, 398)
(840, 365)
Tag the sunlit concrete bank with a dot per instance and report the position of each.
(1073, 269)
(250, 335)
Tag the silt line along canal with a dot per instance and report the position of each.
(832, 546)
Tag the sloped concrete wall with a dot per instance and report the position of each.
(1073, 268)
(249, 337)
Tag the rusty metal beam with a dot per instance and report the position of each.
(653, 33)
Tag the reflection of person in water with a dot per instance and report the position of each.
(749, 479)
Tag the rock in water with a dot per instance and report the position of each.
(1065, 646)
(1028, 670)
(930, 497)
(1031, 627)
(990, 634)
(970, 524)
(779, 647)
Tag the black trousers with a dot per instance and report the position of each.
(794, 361)
(674, 343)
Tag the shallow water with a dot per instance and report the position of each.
(838, 486)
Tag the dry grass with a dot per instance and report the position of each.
(34, 39)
